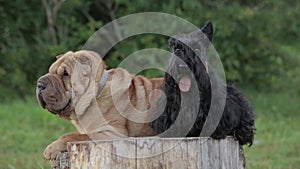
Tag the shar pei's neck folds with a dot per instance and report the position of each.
(120, 109)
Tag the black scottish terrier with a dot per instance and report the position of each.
(186, 96)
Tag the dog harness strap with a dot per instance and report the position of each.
(102, 81)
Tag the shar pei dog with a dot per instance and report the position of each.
(100, 103)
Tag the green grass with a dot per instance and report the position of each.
(26, 129)
(277, 143)
(277, 140)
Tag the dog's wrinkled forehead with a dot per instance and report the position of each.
(66, 62)
(63, 63)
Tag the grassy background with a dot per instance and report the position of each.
(278, 131)
(26, 129)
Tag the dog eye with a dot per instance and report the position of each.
(66, 73)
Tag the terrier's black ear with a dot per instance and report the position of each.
(208, 30)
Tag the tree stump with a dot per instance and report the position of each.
(153, 153)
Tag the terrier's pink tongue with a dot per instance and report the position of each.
(185, 84)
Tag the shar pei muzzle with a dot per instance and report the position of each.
(101, 104)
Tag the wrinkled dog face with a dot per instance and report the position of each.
(69, 76)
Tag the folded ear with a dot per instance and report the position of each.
(82, 90)
(85, 76)
(81, 77)
(207, 29)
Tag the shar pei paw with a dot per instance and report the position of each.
(53, 149)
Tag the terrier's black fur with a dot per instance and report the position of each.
(237, 118)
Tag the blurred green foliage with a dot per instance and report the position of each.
(249, 35)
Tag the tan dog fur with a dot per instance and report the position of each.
(70, 90)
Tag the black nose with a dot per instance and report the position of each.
(41, 86)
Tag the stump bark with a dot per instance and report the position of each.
(153, 153)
